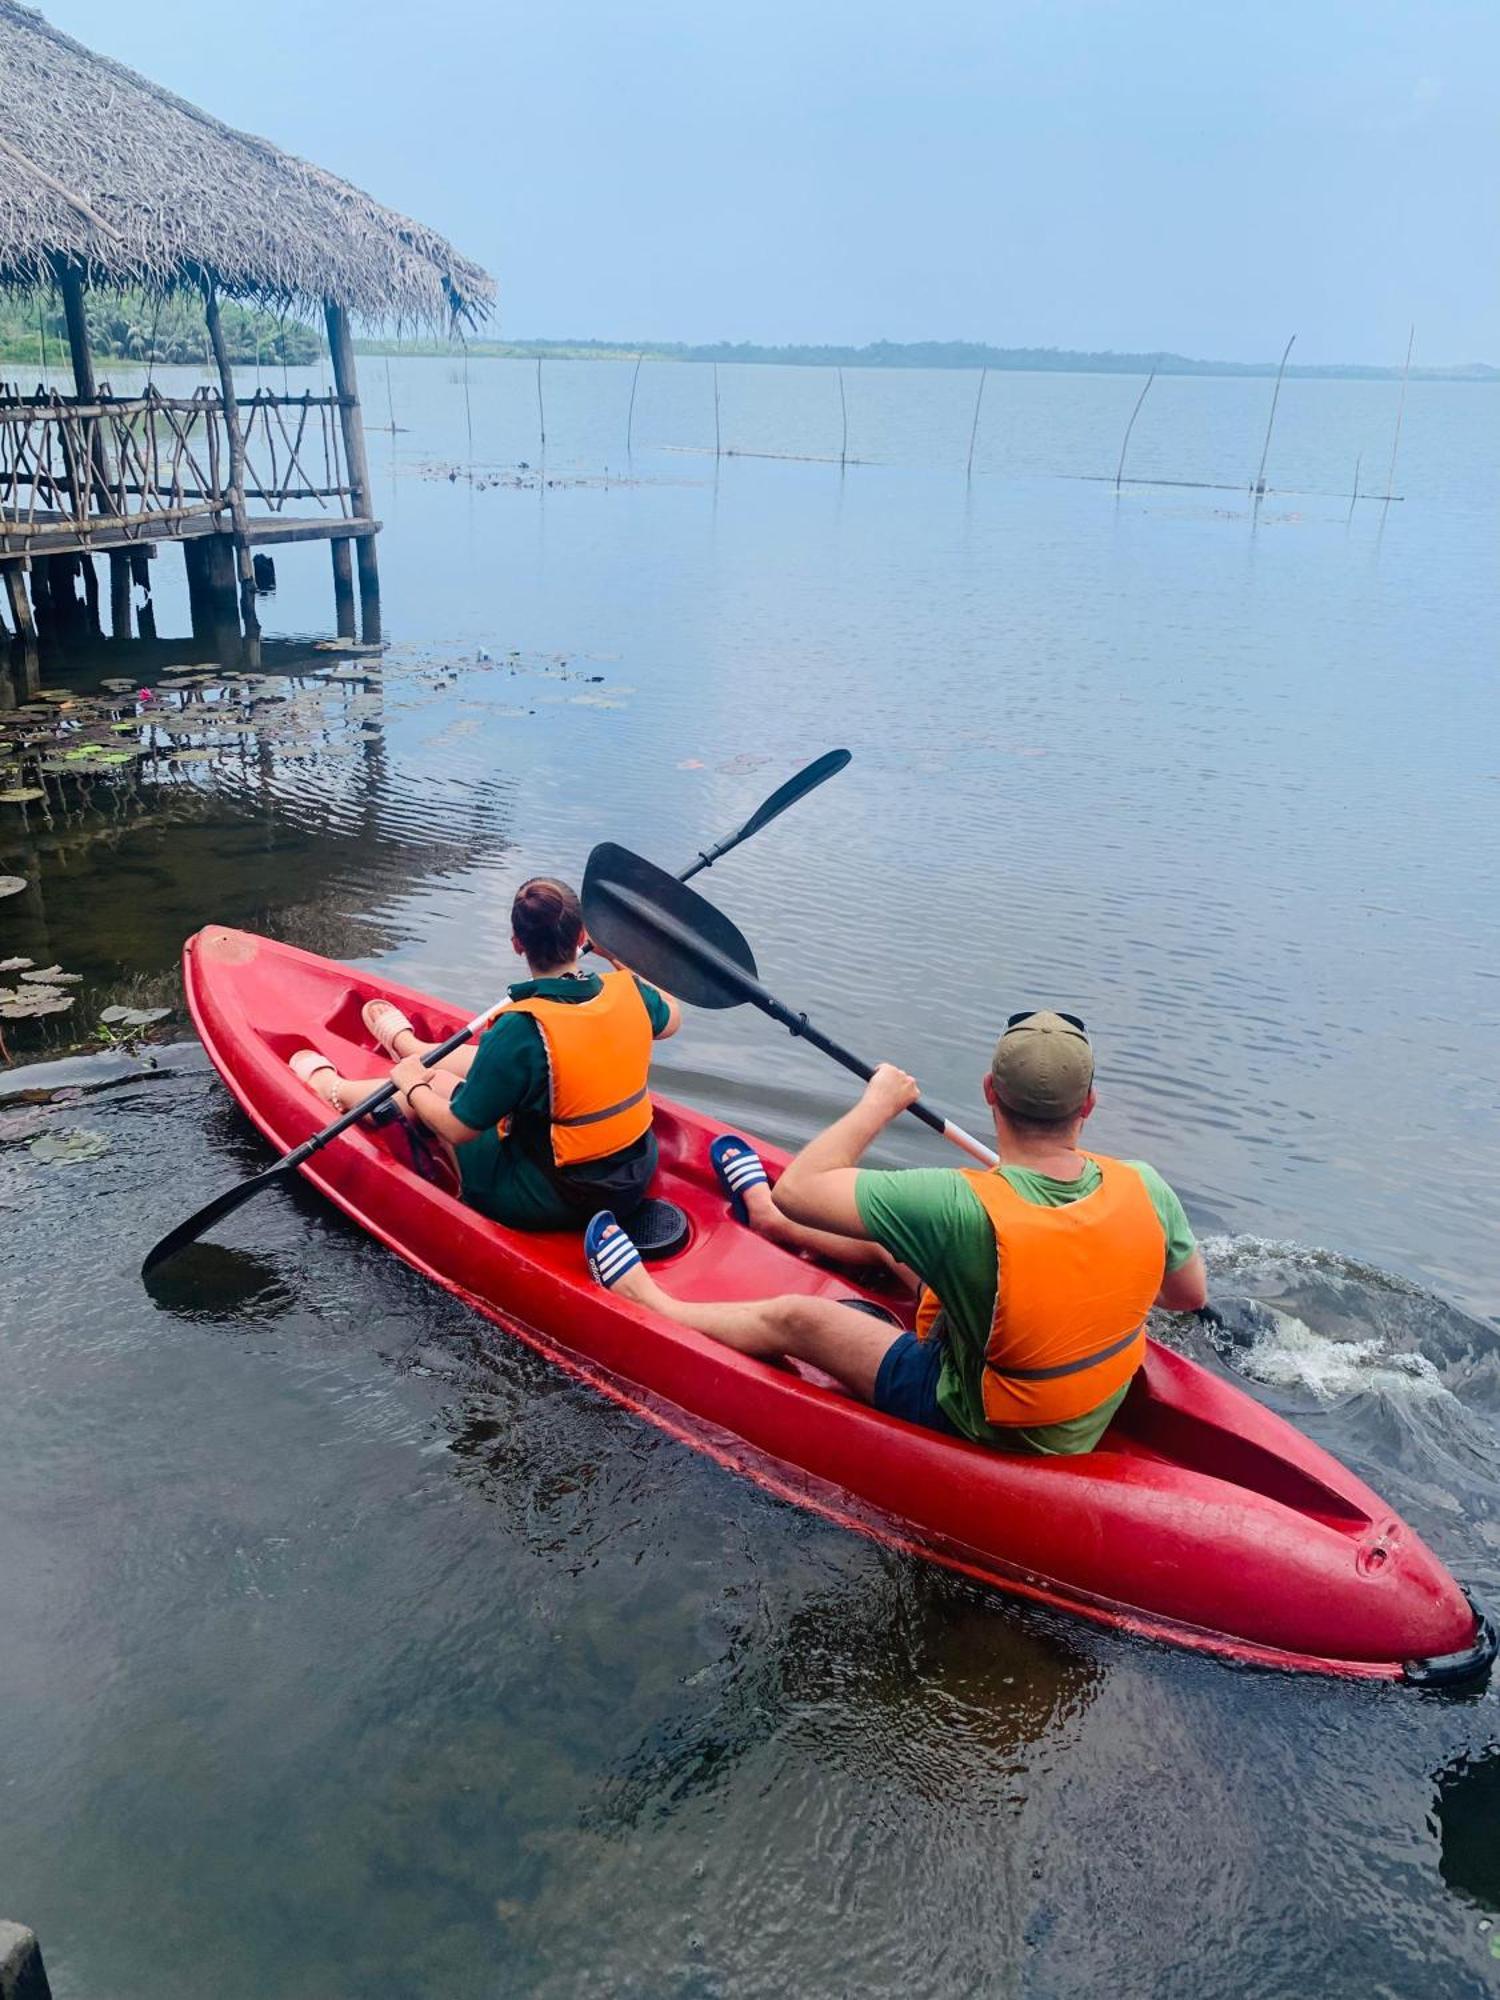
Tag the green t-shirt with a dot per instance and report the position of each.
(932, 1220)
(508, 1079)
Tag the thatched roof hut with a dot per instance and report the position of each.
(102, 169)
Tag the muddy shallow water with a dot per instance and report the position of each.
(345, 1643)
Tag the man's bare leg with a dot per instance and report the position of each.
(845, 1344)
(849, 1252)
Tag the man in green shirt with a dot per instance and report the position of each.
(936, 1220)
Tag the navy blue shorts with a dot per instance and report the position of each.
(907, 1383)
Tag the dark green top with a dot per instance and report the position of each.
(515, 1180)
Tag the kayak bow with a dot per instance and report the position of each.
(1202, 1519)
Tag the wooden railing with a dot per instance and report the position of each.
(133, 468)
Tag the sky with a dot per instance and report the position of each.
(1183, 174)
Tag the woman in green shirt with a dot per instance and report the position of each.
(548, 1115)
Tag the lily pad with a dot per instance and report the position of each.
(12, 885)
(133, 1017)
(53, 975)
(21, 795)
(25, 1123)
(70, 1147)
(118, 687)
(16, 964)
(32, 1005)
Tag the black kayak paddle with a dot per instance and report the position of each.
(676, 939)
(821, 768)
(806, 780)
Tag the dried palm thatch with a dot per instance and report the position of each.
(102, 167)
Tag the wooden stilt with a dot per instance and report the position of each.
(91, 596)
(195, 562)
(244, 565)
(346, 382)
(369, 590)
(119, 593)
(21, 616)
(220, 581)
(28, 674)
(343, 586)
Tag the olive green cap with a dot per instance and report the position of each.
(1043, 1068)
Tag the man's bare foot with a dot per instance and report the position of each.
(615, 1262)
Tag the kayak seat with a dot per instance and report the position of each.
(657, 1228)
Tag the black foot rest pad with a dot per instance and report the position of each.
(876, 1312)
(657, 1228)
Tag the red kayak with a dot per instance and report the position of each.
(1202, 1518)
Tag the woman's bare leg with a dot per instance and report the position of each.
(845, 1344)
(458, 1062)
(342, 1093)
(405, 1042)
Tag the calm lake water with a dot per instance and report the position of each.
(348, 1648)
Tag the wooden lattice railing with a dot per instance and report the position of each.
(151, 465)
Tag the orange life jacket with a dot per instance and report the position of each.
(598, 1060)
(1073, 1286)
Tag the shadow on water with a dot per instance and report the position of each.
(1468, 1826)
(210, 1283)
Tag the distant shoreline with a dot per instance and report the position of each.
(921, 354)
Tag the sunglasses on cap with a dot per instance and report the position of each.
(1030, 1014)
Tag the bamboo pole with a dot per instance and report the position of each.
(341, 353)
(541, 414)
(974, 427)
(1125, 441)
(236, 489)
(844, 416)
(1390, 477)
(716, 410)
(630, 413)
(1260, 477)
(1355, 494)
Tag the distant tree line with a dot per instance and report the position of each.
(969, 354)
(135, 326)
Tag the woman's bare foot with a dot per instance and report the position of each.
(320, 1076)
(385, 1021)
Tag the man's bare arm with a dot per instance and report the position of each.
(818, 1187)
(1185, 1290)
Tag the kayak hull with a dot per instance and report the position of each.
(1203, 1518)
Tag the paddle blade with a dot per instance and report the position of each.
(667, 933)
(214, 1211)
(818, 772)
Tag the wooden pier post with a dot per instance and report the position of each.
(343, 586)
(119, 593)
(69, 277)
(220, 580)
(195, 565)
(22, 620)
(346, 382)
(91, 595)
(239, 520)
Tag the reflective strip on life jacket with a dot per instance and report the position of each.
(598, 1059)
(1073, 1286)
